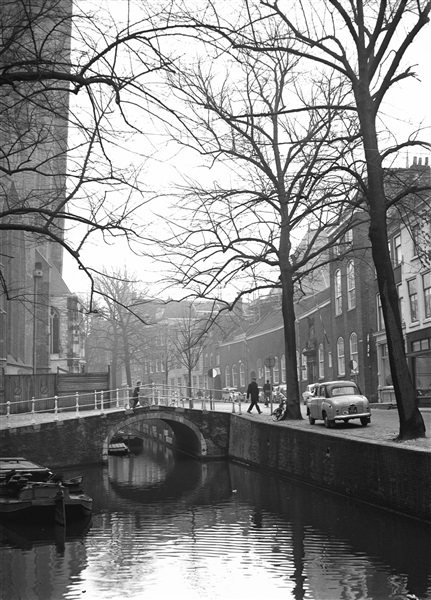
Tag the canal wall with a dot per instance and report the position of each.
(387, 475)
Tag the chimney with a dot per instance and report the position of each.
(415, 160)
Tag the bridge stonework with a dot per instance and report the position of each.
(204, 435)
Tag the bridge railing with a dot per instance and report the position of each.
(75, 405)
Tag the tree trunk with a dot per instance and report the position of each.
(287, 306)
(411, 421)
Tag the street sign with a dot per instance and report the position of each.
(269, 362)
(213, 372)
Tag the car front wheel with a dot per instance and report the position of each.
(311, 419)
(364, 421)
(328, 422)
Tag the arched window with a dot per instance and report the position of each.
(283, 369)
(340, 356)
(276, 372)
(234, 376)
(227, 377)
(321, 362)
(259, 369)
(242, 374)
(304, 368)
(351, 286)
(54, 331)
(338, 296)
(354, 365)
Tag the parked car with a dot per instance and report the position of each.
(338, 401)
(231, 394)
(309, 391)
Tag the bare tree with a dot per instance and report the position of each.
(75, 86)
(365, 44)
(285, 169)
(119, 323)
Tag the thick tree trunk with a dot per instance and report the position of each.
(288, 311)
(411, 421)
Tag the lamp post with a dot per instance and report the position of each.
(37, 274)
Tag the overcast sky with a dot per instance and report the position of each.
(407, 108)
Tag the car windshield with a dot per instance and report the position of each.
(346, 390)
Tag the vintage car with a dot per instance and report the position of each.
(338, 401)
(309, 391)
(231, 394)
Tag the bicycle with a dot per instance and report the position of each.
(280, 411)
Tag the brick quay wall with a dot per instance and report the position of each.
(387, 475)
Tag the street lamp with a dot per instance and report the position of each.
(37, 274)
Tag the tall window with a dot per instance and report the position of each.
(234, 376)
(380, 320)
(338, 296)
(426, 279)
(354, 352)
(259, 369)
(242, 374)
(340, 356)
(304, 367)
(276, 372)
(283, 369)
(400, 301)
(413, 299)
(351, 286)
(227, 377)
(321, 361)
(397, 250)
(55, 331)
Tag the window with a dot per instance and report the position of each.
(234, 376)
(413, 299)
(354, 364)
(283, 369)
(351, 286)
(397, 250)
(321, 359)
(330, 359)
(276, 372)
(338, 297)
(267, 373)
(400, 301)
(55, 331)
(426, 280)
(227, 377)
(340, 356)
(242, 374)
(259, 369)
(416, 235)
(348, 236)
(298, 366)
(380, 320)
(304, 369)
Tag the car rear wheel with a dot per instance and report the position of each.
(311, 419)
(364, 421)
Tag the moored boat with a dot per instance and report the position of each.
(31, 490)
(118, 448)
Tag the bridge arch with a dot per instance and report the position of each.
(189, 437)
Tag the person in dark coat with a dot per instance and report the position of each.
(267, 392)
(253, 394)
(135, 395)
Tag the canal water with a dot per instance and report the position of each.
(169, 528)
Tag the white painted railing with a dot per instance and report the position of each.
(101, 401)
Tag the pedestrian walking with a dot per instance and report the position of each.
(253, 394)
(267, 392)
(135, 395)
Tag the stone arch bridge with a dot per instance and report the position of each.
(84, 440)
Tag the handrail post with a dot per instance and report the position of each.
(153, 393)
(8, 413)
(55, 408)
(233, 406)
(32, 410)
(101, 402)
(239, 407)
(95, 399)
(117, 399)
(77, 403)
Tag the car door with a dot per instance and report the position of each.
(319, 397)
(313, 404)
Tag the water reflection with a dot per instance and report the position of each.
(169, 527)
